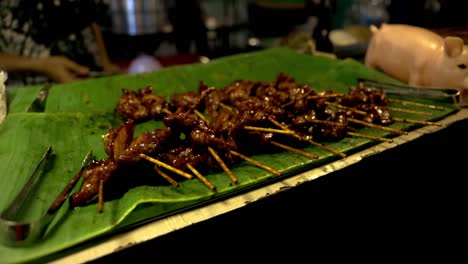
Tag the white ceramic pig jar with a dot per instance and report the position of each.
(418, 56)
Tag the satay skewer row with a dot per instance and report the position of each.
(222, 164)
(262, 129)
(405, 102)
(202, 178)
(351, 133)
(244, 157)
(193, 108)
(323, 146)
(315, 143)
(405, 120)
(398, 119)
(279, 131)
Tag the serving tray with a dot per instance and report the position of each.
(77, 114)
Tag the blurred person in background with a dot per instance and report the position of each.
(187, 19)
(52, 41)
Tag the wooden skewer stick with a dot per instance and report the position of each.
(320, 96)
(225, 106)
(201, 177)
(312, 97)
(401, 132)
(406, 120)
(201, 116)
(166, 176)
(334, 151)
(278, 124)
(64, 194)
(297, 99)
(166, 166)
(354, 134)
(259, 164)
(282, 131)
(350, 133)
(357, 111)
(403, 102)
(303, 153)
(223, 165)
(326, 122)
(101, 196)
(266, 129)
(339, 153)
(165, 110)
(403, 110)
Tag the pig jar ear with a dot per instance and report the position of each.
(453, 46)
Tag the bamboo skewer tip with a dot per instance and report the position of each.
(202, 178)
(223, 165)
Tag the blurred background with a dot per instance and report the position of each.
(188, 31)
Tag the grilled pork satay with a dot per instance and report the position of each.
(332, 128)
(287, 101)
(372, 103)
(130, 106)
(94, 174)
(122, 148)
(140, 105)
(189, 139)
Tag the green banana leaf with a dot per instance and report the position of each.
(77, 114)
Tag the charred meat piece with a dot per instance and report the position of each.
(140, 105)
